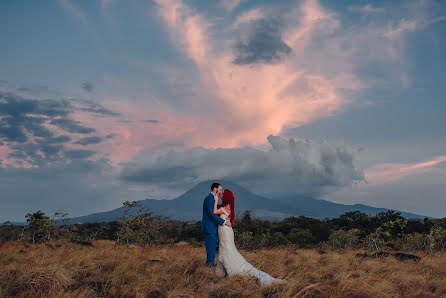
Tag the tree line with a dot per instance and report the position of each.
(385, 231)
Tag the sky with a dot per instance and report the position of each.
(107, 101)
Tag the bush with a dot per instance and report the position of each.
(279, 239)
(436, 239)
(244, 239)
(343, 239)
(411, 242)
(300, 237)
(268, 240)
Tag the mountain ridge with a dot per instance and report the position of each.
(188, 206)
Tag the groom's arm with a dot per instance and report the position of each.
(209, 208)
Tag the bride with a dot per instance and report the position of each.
(230, 261)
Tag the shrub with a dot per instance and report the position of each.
(279, 239)
(436, 240)
(244, 239)
(343, 239)
(411, 242)
(300, 237)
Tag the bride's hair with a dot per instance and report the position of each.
(228, 198)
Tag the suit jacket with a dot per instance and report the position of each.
(210, 221)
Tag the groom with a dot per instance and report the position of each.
(209, 224)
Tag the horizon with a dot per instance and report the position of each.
(104, 100)
(251, 211)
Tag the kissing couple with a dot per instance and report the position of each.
(217, 220)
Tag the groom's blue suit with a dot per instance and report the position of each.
(209, 228)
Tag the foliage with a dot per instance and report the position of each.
(38, 225)
(344, 239)
(301, 237)
(436, 240)
(384, 231)
(141, 227)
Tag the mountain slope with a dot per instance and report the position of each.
(189, 206)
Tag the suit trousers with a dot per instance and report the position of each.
(210, 240)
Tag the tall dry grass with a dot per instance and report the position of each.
(69, 270)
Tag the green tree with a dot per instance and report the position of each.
(141, 227)
(389, 231)
(343, 239)
(56, 230)
(300, 237)
(436, 240)
(38, 225)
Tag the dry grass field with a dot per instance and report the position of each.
(62, 269)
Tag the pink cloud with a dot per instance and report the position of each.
(235, 105)
(389, 172)
(249, 16)
(256, 100)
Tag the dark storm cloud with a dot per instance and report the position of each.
(88, 86)
(58, 139)
(91, 106)
(71, 125)
(78, 153)
(151, 121)
(21, 118)
(14, 106)
(89, 140)
(36, 153)
(291, 167)
(33, 89)
(12, 133)
(264, 45)
(33, 125)
(110, 136)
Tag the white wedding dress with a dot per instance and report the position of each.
(230, 261)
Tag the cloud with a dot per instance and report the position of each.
(110, 136)
(151, 121)
(254, 99)
(420, 190)
(367, 9)
(58, 139)
(91, 106)
(71, 125)
(78, 153)
(229, 5)
(265, 45)
(403, 26)
(31, 129)
(18, 115)
(290, 168)
(89, 140)
(36, 154)
(88, 86)
(33, 89)
(248, 17)
(389, 172)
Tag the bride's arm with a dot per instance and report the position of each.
(217, 211)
